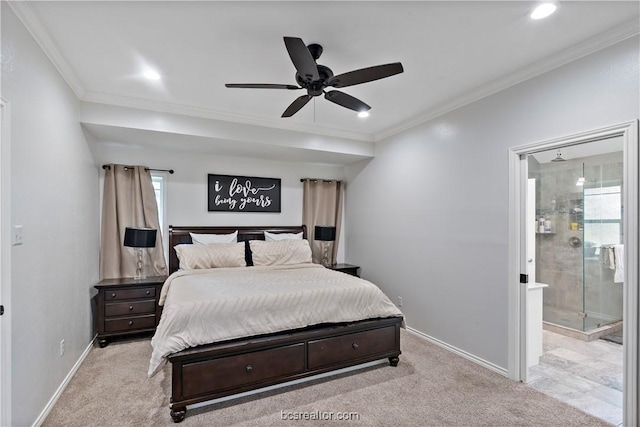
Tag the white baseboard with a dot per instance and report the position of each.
(468, 356)
(65, 382)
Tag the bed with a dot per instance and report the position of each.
(238, 361)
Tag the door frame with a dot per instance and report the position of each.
(5, 263)
(517, 363)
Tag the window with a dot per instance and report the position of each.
(159, 180)
(603, 215)
(158, 187)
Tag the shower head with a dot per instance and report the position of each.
(558, 158)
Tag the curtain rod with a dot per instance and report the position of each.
(319, 179)
(147, 169)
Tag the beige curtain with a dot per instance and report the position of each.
(128, 201)
(322, 205)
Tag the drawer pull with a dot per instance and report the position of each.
(248, 368)
(355, 346)
(130, 322)
(148, 292)
(113, 295)
(130, 307)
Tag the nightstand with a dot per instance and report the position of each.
(127, 306)
(346, 268)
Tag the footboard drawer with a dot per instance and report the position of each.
(235, 371)
(344, 348)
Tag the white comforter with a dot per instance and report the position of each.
(211, 305)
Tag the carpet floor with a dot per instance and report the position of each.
(430, 387)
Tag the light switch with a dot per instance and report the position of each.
(16, 237)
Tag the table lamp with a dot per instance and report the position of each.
(135, 237)
(325, 234)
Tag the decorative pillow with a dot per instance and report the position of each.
(273, 237)
(211, 256)
(282, 252)
(205, 239)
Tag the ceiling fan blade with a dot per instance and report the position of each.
(296, 105)
(346, 101)
(365, 75)
(302, 59)
(261, 86)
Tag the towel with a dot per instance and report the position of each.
(618, 275)
(607, 258)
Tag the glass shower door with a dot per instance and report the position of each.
(603, 290)
(559, 251)
(579, 225)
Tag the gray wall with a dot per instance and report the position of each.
(54, 196)
(427, 218)
(187, 187)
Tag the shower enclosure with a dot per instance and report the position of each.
(578, 223)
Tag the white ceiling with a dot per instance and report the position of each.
(453, 53)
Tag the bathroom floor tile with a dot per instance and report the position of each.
(587, 375)
(599, 408)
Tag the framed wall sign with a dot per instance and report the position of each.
(227, 193)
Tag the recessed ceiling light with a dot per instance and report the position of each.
(363, 114)
(543, 10)
(151, 75)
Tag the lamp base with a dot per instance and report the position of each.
(140, 267)
(325, 254)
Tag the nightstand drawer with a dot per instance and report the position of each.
(351, 346)
(132, 307)
(117, 294)
(130, 323)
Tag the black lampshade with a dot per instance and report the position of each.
(140, 237)
(325, 233)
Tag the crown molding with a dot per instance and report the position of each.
(592, 45)
(25, 13)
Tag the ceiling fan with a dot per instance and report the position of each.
(315, 78)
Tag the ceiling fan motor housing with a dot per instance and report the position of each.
(316, 87)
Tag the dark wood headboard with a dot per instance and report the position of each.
(180, 235)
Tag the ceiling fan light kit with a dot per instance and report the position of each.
(315, 78)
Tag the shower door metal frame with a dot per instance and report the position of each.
(518, 175)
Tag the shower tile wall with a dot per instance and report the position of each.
(559, 264)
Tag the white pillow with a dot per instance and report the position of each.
(273, 237)
(206, 239)
(282, 252)
(211, 256)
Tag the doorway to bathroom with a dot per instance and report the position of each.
(576, 265)
(573, 232)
